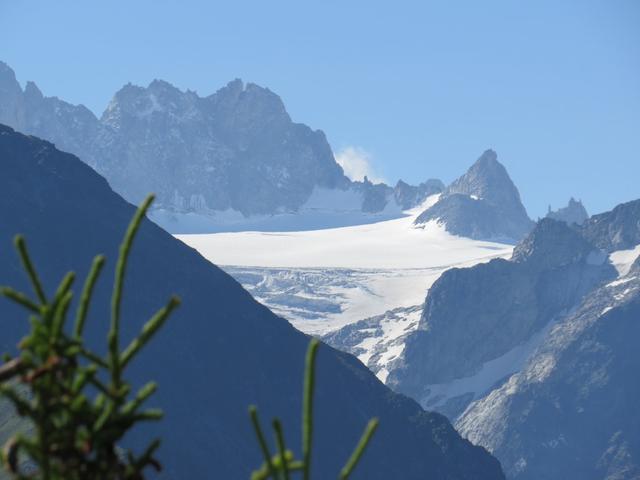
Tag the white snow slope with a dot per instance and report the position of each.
(322, 280)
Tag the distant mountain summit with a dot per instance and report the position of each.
(487, 179)
(618, 229)
(482, 204)
(574, 212)
(236, 151)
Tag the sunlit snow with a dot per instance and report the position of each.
(623, 259)
(321, 280)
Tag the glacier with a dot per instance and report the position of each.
(372, 277)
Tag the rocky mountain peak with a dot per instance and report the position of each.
(32, 92)
(8, 81)
(246, 107)
(160, 105)
(158, 85)
(618, 229)
(483, 204)
(236, 149)
(574, 212)
(487, 179)
(488, 159)
(232, 89)
(10, 97)
(552, 243)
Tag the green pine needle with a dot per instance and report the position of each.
(21, 247)
(360, 448)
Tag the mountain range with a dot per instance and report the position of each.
(531, 357)
(213, 162)
(221, 352)
(235, 160)
(521, 333)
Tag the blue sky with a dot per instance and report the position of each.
(409, 90)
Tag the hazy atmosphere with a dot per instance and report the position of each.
(417, 89)
(382, 240)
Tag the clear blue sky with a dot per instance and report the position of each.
(424, 87)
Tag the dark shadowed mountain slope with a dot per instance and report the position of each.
(483, 204)
(221, 351)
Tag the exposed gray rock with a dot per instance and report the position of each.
(537, 357)
(236, 149)
(11, 95)
(409, 196)
(376, 196)
(475, 315)
(482, 204)
(487, 179)
(73, 128)
(572, 412)
(618, 229)
(574, 212)
(550, 245)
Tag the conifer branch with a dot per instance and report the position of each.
(116, 299)
(284, 462)
(307, 406)
(357, 453)
(253, 413)
(149, 329)
(87, 292)
(21, 246)
(55, 383)
(19, 298)
(277, 427)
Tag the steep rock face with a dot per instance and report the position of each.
(409, 196)
(574, 212)
(535, 358)
(237, 149)
(483, 204)
(220, 352)
(73, 127)
(487, 179)
(375, 196)
(476, 315)
(550, 245)
(572, 411)
(618, 229)
(11, 94)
